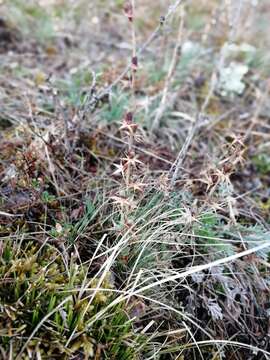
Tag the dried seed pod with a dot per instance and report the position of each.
(128, 10)
(134, 63)
(162, 20)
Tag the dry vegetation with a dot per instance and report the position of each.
(134, 179)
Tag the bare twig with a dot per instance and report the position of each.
(163, 19)
(134, 59)
(200, 120)
(134, 63)
(168, 81)
(177, 165)
(262, 98)
(175, 169)
(137, 148)
(2, 213)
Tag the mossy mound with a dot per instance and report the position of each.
(46, 313)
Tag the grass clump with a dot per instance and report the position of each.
(45, 311)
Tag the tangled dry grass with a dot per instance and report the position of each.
(134, 169)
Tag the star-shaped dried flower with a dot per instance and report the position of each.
(120, 169)
(124, 202)
(132, 160)
(128, 124)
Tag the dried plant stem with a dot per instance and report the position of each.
(177, 165)
(133, 105)
(134, 54)
(175, 169)
(171, 10)
(130, 153)
(168, 81)
(3, 213)
(196, 269)
(199, 121)
(262, 98)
